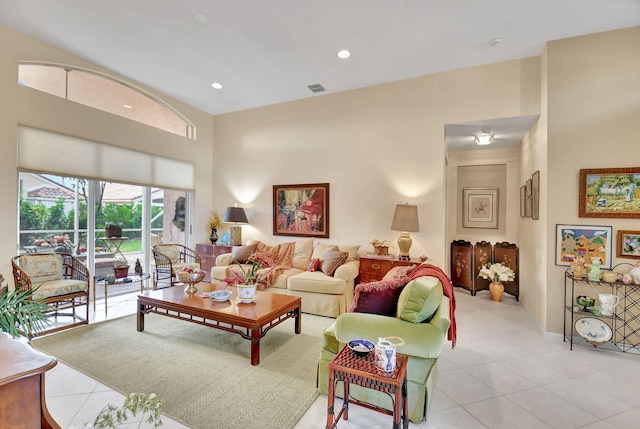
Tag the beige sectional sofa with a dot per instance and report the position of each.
(322, 292)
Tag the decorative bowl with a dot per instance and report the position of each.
(220, 295)
(610, 276)
(585, 301)
(361, 347)
(194, 277)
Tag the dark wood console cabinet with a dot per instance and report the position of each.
(373, 269)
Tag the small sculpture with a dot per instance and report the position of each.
(138, 268)
(594, 271)
(635, 274)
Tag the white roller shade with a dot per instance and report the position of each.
(47, 152)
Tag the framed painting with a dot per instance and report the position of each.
(628, 244)
(609, 192)
(528, 201)
(523, 198)
(301, 210)
(535, 195)
(584, 241)
(480, 208)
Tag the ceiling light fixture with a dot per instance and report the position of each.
(127, 106)
(494, 43)
(344, 54)
(216, 85)
(484, 138)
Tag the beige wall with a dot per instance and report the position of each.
(593, 114)
(21, 105)
(377, 146)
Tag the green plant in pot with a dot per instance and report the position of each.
(134, 403)
(19, 313)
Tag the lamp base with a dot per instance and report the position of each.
(404, 244)
(235, 235)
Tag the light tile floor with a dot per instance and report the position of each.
(503, 373)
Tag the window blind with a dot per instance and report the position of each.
(47, 152)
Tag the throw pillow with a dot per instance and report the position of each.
(332, 260)
(419, 299)
(399, 272)
(379, 297)
(313, 265)
(352, 249)
(321, 249)
(302, 253)
(242, 253)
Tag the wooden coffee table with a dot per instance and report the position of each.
(251, 321)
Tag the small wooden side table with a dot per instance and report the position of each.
(362, 371)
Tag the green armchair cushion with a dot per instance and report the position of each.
(419, 299)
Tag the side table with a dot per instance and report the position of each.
(103, 281)
(373, 269)
(362, 371)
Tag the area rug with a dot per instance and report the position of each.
(203, 375)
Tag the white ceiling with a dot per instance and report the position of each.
(266, 52)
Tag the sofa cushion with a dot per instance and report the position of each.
(313, 264)
(419, 299)
(316, 282)
(399, 272)
(302, 254)
(379, 297)
(332, 260)
(58, 287)
(351, 249)
(321, 248)
(168, 250)
(42, 268)
(242, 253)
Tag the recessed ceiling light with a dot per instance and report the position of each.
(344, 54)
(216, 85)
(127, 106)
(202, 19)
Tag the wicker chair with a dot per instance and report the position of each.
(171, 258)
(58, 279)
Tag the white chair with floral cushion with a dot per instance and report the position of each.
(171, 258)
(58, 279)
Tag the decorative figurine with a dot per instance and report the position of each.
(594, 271)
(138, 268)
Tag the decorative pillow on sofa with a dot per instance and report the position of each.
(419, 299)
(399, 272)
(352, 249)
(242, 253)
(313, 265)
(379, 297)
(332, 260)
(321, 249)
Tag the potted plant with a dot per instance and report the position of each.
(134, 403)
(251, 277)
(19, 313)
(496, 274)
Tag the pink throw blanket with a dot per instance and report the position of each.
(447, 289)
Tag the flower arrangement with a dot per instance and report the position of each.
(251, 273)
(214, 220)
(496, 273)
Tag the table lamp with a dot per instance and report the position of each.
(405, 220)
(235, 215)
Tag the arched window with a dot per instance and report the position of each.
(104, 93)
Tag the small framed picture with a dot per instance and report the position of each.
(584, 241)
(528, 202)
(628, 244)
(523, 199)
(535, 195)
(480, 208)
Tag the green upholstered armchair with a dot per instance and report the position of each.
(422, 322)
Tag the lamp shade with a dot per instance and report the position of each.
(235, 215)
(405, 218)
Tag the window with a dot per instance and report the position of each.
(104, 93)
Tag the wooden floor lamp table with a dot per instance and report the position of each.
(362, 371)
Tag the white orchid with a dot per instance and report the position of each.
(496, 273)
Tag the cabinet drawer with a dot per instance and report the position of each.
(375, 266)
(369, 277)
(204, 249)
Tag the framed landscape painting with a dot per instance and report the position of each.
(480, 208)
(628, 244)
(609, 192)
(301, 210)
(584, 241)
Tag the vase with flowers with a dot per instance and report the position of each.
(248, 276)
(496, 274)
(214, 224)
